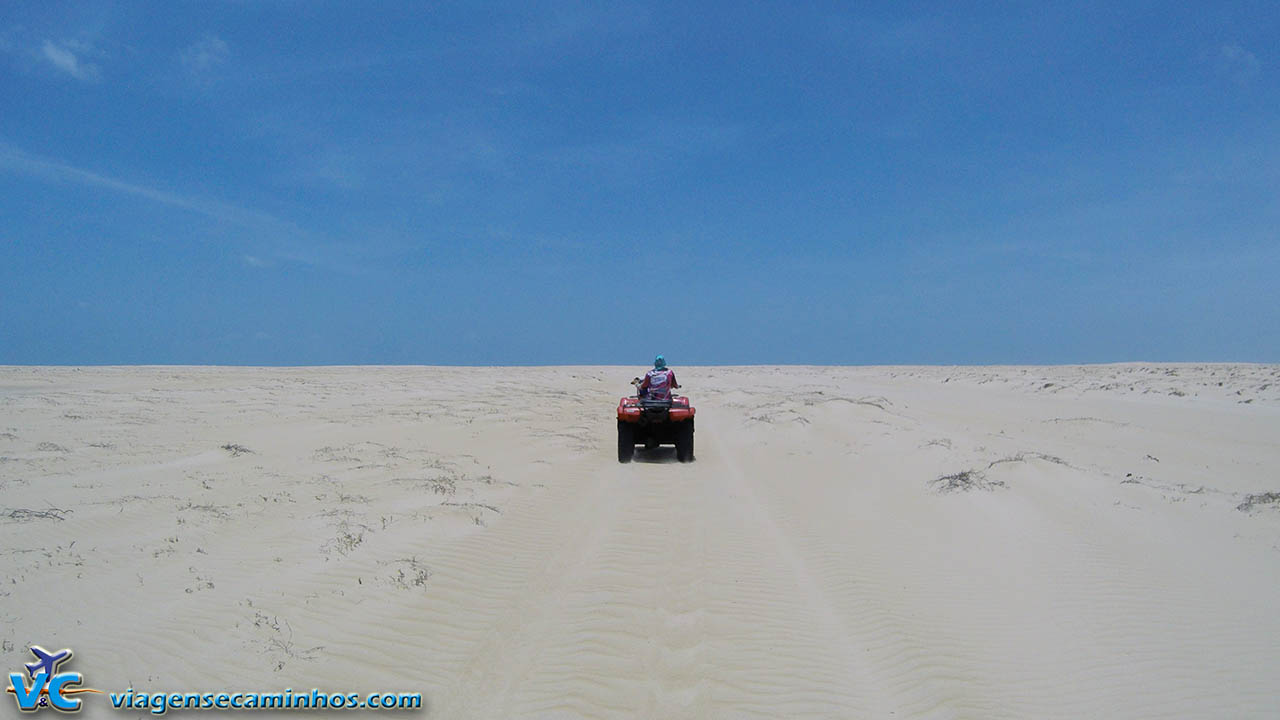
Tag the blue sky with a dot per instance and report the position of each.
(534, 183)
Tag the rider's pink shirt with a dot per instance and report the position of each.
(659, 383)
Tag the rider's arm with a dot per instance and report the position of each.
(674, 384)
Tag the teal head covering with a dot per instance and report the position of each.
(659, 362)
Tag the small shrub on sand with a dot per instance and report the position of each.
(965, 481)
(237, 450)
(1252, 501)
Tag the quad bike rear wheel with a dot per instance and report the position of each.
(684, 441)
(626, 442)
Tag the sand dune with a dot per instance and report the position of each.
(906, 542)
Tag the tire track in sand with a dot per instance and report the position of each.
(791, 646)
(492, 633)
(631, 639)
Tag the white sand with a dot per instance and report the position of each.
(468, 533)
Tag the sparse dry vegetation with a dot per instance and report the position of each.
(1268, 499)
(237, 450)
(965, 481)
(27, 515)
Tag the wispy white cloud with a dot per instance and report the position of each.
(894, 38)
(64, 57)
(205, 54)
(568, 23)
(652, 142)
(512, 40)
(16, 160)
(335, 167)
(1238, 64)
(281, 239)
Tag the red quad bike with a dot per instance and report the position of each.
(652, 423)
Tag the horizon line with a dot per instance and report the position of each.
(7, 366)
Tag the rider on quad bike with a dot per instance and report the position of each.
(658, 382)
(654, 416)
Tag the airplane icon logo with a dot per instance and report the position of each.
(48, 661)
(48, 687)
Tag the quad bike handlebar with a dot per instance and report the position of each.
(637, 381)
